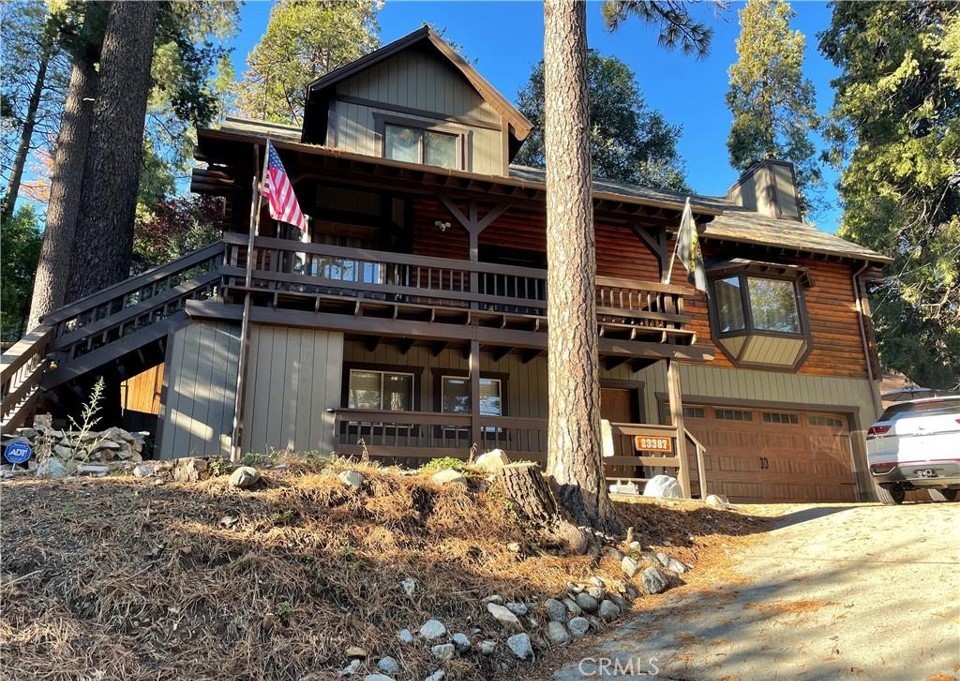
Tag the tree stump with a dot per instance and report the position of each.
(535, 502)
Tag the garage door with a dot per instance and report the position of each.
(770, 455)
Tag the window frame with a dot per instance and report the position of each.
(747, 305)
(383, 373)
(460, 133)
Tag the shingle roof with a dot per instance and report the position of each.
(734, 223)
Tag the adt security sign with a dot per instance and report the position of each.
(18, 451)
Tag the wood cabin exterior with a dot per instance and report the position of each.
(411, 323)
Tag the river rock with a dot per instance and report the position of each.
(388, 665)
(572, 607)
(609, 611)
(492, 461)
(671, 563)
(556, 610)
(433, 629)
(579, 626)
(654, 581)
(244, 477)
(405, 636)
(587, 602)
(52, 468)
(449, 476)
(664, 487)
(353, 479)
(629, 566)
(517, 608)
(461, 642)
(503, 615)
(520, 645)
(557, 634)
(443, 651)
(487, 647)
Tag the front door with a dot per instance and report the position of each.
(619, 405)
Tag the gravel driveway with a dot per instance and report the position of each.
(835, 592)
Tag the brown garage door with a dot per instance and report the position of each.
(771, 455)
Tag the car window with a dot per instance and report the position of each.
(933, 408)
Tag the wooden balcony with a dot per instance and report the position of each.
(383, 290)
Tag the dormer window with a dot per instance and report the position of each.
(430, 147)
(758, 313)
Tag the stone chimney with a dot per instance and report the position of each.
(768, 187)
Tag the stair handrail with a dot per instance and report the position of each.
(21, 367)
(701, 465)
(128, 285)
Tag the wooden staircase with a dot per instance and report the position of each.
(124, 326)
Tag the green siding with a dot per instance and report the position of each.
(201, 380)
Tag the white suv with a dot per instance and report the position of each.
(916, 445)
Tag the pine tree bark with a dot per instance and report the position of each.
(53, 270)
(103, 243)
(574, 457)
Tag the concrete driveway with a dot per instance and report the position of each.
(835, 592)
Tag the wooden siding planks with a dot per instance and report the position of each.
(294, 377)
(201, 378)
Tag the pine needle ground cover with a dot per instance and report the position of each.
(123, 578)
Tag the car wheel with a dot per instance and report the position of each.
(943, 494)
(889, 496)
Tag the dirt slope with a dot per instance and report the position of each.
(121, 578)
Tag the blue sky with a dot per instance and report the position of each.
(505, 40)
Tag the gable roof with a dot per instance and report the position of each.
(520, 126)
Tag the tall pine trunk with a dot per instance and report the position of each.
(574, 457)
(103, 243)
(26, 135)
(53, 270)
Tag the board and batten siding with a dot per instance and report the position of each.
(293, 377)
(201, 378)
(525, 393)
(421, 82)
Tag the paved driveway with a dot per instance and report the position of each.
(835, 592)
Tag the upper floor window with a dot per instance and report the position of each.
(750, 303)
(420, 145)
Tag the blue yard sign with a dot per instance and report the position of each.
(18, 451)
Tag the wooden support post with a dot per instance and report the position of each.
(476, 435)
(676, 420)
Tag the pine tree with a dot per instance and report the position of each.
(304, 40)
(629, 142)
(896, 134)
(773, 105)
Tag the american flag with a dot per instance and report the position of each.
(279, 192)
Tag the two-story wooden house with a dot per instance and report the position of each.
(410, 321)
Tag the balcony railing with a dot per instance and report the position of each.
(361, 281)
(395, 435)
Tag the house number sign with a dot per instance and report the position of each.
(653, 444)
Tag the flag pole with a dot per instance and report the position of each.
(256, 202)
(676, 245)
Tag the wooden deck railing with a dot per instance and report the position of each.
(429, 435)
(329, 273)
(117, 311)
